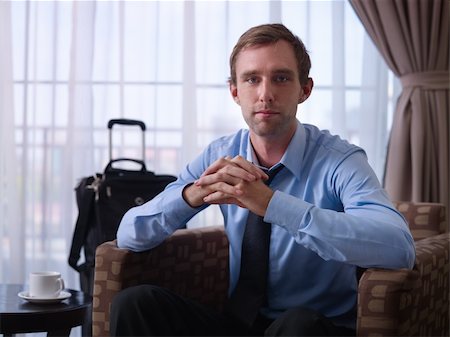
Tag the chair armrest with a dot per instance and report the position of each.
(432, 262)
(408, 302)
(425, 219)
(191, 262)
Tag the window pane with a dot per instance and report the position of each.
(140, 29)
(217, 111)
(169, 46)
(18, 105)
(168, 111)
(42, 97)
(320, 44)
(18, 27)
(317, 109)
(106, 104)
(106, 42)
(296, 17)
(244, 14)
(153, 44)
(354, 37)
(63, 39)
(42, 35)
(139, 102)
(353, 113)
(61, 101)
(211, 32)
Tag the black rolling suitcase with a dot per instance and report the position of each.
(103, 199)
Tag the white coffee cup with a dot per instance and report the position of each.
(45, 284)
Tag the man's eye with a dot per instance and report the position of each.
(252, 80)
(281, 78)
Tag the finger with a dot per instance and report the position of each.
(236, 171)
(229, 201)
(220, 177)
(217, 165)
(250, 167)
(225, 189)
(228, 173)
(218, 198)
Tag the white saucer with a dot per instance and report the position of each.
(62, 296)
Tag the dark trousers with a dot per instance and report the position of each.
(148, 310)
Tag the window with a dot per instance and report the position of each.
(78, 64)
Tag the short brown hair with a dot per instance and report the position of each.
(267, 34)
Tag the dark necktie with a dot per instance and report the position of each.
(250, 292)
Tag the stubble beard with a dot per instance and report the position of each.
(276, 127)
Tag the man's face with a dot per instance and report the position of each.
(268, 89)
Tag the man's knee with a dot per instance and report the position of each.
(297, 322)
(141, 297)
(131, 308)
(129, 295)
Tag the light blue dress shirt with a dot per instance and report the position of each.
(329, 214)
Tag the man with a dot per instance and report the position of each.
(324, 210)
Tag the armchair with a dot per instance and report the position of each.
(194, 263)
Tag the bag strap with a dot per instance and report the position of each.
(87, 193)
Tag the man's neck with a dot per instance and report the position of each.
(269, 151)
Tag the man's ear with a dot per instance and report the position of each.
(306, 90)
(234, 93)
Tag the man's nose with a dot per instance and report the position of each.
(266, 92)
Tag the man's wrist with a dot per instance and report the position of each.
(191, 196)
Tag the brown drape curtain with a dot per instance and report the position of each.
(413, 38)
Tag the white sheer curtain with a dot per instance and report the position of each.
(78, 64)
(11, 232)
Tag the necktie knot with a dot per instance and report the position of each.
(272, 173)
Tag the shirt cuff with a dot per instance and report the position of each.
(182, 211)
(288, 212)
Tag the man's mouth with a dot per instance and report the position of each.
(266, 113)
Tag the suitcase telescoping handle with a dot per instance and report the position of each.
(124, 121)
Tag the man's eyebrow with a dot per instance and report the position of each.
(285, 71)
(248, 73)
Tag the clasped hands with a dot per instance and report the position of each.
(231, 181)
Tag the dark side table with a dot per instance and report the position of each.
(57, 319)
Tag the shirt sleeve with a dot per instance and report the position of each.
(146, 226)
(369, 232)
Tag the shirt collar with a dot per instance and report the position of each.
(293, 157)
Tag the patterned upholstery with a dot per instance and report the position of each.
(194, 263)
(408, 302)
(425, 219)
(411, 302)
